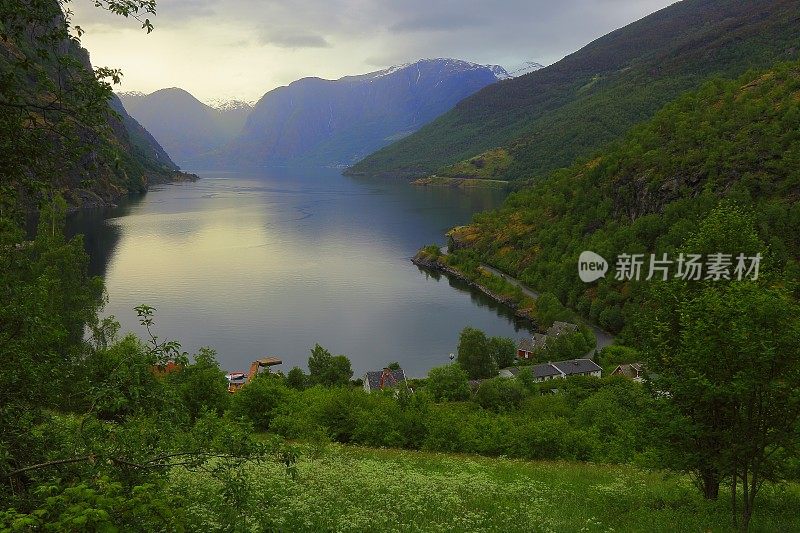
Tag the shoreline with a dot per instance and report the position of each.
(603, 338)
(80, 199)
(460, 183)
(436, 266)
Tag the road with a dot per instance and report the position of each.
(604, 338)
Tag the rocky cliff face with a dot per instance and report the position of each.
(336, 122)
(60, 129)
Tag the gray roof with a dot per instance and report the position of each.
(513, 370)
(577, 366)
(561, 327)
(374, 378)
(545, 370)
(537, 341)
(630, 370)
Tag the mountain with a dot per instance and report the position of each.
(547, 118)
(335, 122)
(732, 142)
(186, 127)
(520, 70)
(81, 143)
(231, 115)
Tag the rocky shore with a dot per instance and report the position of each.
(78, 199)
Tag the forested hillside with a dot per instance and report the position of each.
(549, 117)
(733, 141)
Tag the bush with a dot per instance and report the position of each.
(257, 400)
(500, 394)
(448, 383)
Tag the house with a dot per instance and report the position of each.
(383, 379)
(509, 372)
(579, 367)
(529, 345)
(634, 371)
(560, 328)
(557, 370)
(565, 369)
(526, 347)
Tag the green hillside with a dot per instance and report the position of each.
(734, 140)
(550, 117)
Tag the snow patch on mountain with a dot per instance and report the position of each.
(524, 68)
(221, 104)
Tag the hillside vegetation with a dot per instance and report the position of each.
(734, 140)
(550, 117)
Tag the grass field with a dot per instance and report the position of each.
(356, 489)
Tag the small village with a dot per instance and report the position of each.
(528, 350)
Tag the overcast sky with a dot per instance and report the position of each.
(224, 49)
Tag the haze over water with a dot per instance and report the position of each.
(271, 262)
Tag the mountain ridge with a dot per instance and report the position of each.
(314, 121)
(549, 117)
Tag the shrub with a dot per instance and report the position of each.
(448, 383)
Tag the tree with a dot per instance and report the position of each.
(549, 309)
(296, 378)
(202, 385)
(258, 400)
(328, 370)
(340, 371)
(612, 356)
(500, 394)
(55, 119)
(725, 366)
(448, 383)
(474, 354)
(503, 351)
(393, 366)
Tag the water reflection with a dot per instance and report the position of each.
(271, 262)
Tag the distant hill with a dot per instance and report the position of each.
(335, 122)
(187, 128)
(549, 117)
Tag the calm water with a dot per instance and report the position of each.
(272, 262)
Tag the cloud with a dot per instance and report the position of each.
(334, 38)
(425, 23)
(287, 39)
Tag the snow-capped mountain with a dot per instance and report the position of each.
(335, 122)
(187, 128)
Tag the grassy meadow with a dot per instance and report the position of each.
(347, 488)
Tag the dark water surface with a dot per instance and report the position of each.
(271, 262)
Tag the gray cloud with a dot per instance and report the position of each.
(333, 38)
(293, 39)
(425, 23)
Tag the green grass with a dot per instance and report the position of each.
(358, 489)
